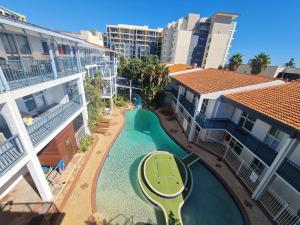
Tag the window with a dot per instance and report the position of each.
(34, 101)
(235, 146)
(247, 121)
(23, 44)
(9, 43)
(204, 106)
(257, 166)
(274, 138)
(45, 48)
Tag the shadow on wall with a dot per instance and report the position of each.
(45, 213)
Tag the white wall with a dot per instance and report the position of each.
(189, 96)
(225, 110)
(295, 155)
(210, 108)
(182, 44)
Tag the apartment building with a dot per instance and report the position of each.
(92, 36)
(252, 124)
(283, 72)
(133, 41)
(197, 40)
(11, 14)
(43, 107)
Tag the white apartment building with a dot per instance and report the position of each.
(92, 36)
(133, 41)
(200, 41)
(43, 107)
(252, 124)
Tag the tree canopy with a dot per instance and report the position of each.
(259, 63)
(291, 63)
(235, 61)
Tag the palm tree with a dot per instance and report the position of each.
(291, 63)
(235, 61)
(259, 63)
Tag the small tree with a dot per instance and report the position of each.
(172, 220)
(235, 61)
(291, 63)
(122, 65)
(92, 88)
(259, 63)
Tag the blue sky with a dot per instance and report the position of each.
(264, 25)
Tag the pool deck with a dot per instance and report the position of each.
(253, 214)
(79, 205)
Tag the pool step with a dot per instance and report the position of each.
(189, 159)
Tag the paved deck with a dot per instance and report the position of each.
(254, 212)
(79, 206)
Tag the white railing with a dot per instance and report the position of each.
(249, 174)
(80, 134)
(278, 209)
(25, 72)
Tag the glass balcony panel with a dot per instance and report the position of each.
(44, 124)
(66, 66)
(290, 172)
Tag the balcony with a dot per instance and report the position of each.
(10, 151)
(290, 172)
(47, 122)
(26, 72)
(263, 151)
(190, 107)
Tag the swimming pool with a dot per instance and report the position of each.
(118, 191)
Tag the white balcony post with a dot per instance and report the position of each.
(4, 81)
(35, 169)
(193, 126)
(51, 54)
(177, 100)
(33, 165)
(78, 58)
(130, 90)
(284, 151)
(84, 112)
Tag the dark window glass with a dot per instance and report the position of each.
(9, 43)
(23, 44)
(45, 48)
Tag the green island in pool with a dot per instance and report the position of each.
(166, 181)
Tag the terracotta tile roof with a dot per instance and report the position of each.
(213, 80)
(281, 102)
(179, 67)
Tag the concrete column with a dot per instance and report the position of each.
(33, 165)
(35, 169)
(284, 151)
(51, 54)
(180, 90)
(84, 112)
(194, 124)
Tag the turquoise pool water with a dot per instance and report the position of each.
(118, 191)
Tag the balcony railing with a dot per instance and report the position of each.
(290, 172)
(44, 124)
(263, 151)
(10, 151)
(25, 72)
(190, 107)
(66, 66)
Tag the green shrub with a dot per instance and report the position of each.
(85, 143)
(120, 101)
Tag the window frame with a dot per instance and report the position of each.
(204, 106)
(33, 97)
(246, 120)
(274, 138)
